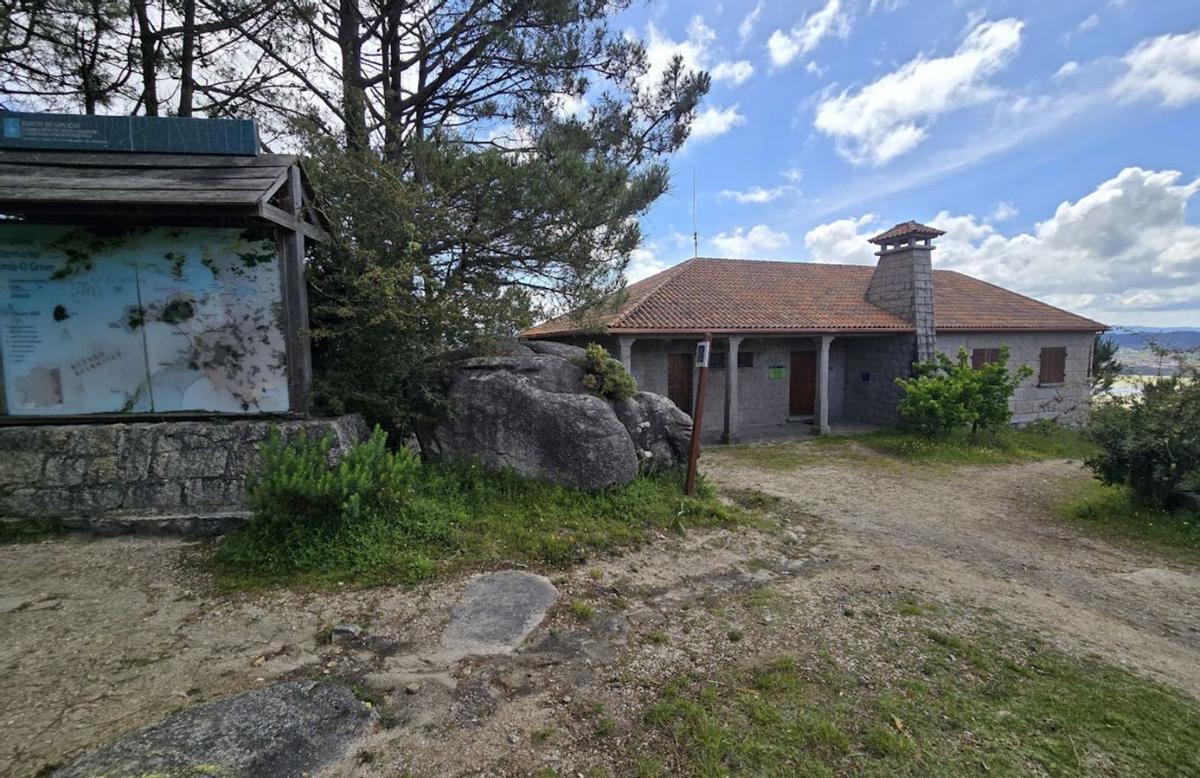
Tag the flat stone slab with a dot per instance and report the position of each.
(285, 729)
(498, 611)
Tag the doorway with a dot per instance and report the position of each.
(679, 381)
(802, 388)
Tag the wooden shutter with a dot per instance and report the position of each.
(1053, 365)
(745, 359)
(984, 356)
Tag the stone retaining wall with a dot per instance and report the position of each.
(185, 476)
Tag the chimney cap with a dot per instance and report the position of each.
(903, 231)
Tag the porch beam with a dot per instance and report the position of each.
(823, 385)
(730, 433)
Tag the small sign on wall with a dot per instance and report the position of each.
(777, 372)
(702, 353)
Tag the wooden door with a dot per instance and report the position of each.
(679, 381)
(802, 389)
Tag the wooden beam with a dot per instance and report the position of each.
(56, 194)
(295, 299)
(125, 159)
(284, 219)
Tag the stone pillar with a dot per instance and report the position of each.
(625, 349)
(823, 385)
(730, 434)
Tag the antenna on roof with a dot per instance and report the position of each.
(695, 232)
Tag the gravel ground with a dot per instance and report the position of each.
(102, 636)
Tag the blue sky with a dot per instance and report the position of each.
(1057, 143)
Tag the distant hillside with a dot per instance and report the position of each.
(1134, 348)
(1139, 339)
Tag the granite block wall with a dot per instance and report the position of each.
(93, 471)
(872, 365)
(1068, 401)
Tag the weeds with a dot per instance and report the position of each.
(386, 517)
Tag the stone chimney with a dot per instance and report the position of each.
(903, 279)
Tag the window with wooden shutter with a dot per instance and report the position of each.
(717, 360)
(984, 356)
(745, 359)
(1053, 366)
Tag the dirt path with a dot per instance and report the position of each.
(982, 535)
(98, 637)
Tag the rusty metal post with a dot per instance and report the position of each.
(698, 420)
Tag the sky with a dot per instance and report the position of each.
(1056, 143)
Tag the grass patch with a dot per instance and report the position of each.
(1003, 446)
(1010, 444)
(990, 704)
(582, 610)
(1113, 511)
(30, 530)
(388, 518)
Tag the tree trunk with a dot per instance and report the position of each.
(147, 45)
(187, 58)
(354, 106)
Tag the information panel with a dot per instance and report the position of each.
(145, 320)
(169, 134)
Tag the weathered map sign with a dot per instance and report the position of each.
(175, 135)
(153, 319)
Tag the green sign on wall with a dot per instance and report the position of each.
(776, 373)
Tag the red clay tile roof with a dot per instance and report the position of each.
(903, 229)
(737, 295)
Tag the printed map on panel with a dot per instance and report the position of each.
(151, 320)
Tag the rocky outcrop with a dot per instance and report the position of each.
(286, 729)
(529, 412)
(660, 431)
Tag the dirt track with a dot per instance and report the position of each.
(113, 634)
(982, 535)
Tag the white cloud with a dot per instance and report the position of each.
(1004, 211)
(793, 175)
(696, 51)
(813, 69)
(1166, 68)
(565, 105)
(888, 117)
(785, 45)
(1124, 253)
(712, 122)
(755, 194)
(886, 5)
(760, 241)
(1090, 23)
(746, 27)
(1067, 70)
(734, 72)
(843, 241)
(645, 262)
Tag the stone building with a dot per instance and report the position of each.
(800, 346)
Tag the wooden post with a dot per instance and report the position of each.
(295, 297)
(698, 421)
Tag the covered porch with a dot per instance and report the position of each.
(763, 386)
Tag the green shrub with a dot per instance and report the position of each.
(946, 394)
(1151, 442)
(308, 516)
(384, 517)
(605, 376)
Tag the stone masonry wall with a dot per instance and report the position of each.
(872, 365)
(903, 284)
(171, 476)
(1068, 401)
